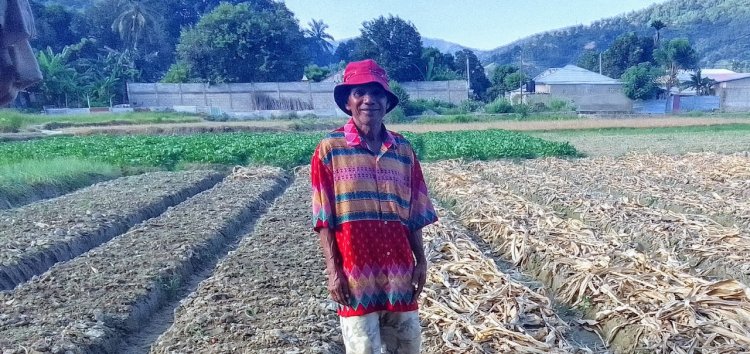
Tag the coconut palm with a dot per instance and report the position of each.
(702, 85)
(658, 25)
(317, 32)
(134, 17)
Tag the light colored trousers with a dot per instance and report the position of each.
(382, 332)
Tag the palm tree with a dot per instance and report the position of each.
(318, 33)
(132, 20)
(658, 25)
(702, 85)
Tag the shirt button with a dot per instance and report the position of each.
(386, 223)
(388, 253)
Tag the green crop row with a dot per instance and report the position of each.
(279, 149)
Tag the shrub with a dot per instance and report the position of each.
(420, 106)
(397, 115)
(522, 109)
(560, 106)
(500, 105)
(403, 96)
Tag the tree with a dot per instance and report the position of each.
(657, 25)
(321, 50)
(53, 26)
(640, 81)
(702, 85)
(478, 81)
(395, 44)
(499, 85)
(315, 73)
(589, 60)
(675, 55)
(61, 82)
(347, 50)
(626, 51)
(438, 66)
(133, 18)
(245, 43)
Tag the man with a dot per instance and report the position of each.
(370, 203)
(18, 66)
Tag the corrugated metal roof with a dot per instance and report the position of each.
(571, 74)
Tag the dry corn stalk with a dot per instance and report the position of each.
(471, 307)
(681, 183)
(639, 303)
(705, 247)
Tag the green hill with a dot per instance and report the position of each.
(718, 29)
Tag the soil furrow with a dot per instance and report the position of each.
(35, 237)
(87, 305)
(267, 296)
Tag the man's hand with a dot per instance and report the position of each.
(418, 279)
(338, 286)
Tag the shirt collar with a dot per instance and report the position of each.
(353, 138)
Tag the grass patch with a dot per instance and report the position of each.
(287, 149)
(12, 121)
(657, 130)
(472, 118)
(26, 177)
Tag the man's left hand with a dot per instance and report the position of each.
(418, 279)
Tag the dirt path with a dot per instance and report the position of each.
(282, 125)
(269, 296)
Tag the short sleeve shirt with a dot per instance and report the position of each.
(371, 202)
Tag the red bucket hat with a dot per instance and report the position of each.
(360, 73)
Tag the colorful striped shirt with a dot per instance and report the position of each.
(371, 202)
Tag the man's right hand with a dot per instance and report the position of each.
(338, 286)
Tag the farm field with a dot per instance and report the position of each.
(649, 278)
(643, 252)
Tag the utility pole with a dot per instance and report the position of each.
(600, 63)
(468, 78)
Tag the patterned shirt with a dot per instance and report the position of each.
(371, 202)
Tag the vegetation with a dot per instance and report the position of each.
(11, 121)
(711, 25)
(22, 177)
(280, 149)
(224, 46)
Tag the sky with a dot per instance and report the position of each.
(478, 24)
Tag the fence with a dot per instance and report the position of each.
(273, 96)
(684, 104)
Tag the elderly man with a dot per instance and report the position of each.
(370, 203)
(18, 66)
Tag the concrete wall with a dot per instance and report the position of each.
(734, 95)
(592, 97)
(251, 97)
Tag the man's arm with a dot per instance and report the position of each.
(419, 276)
(338, 286)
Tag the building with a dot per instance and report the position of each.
(733, 91)
(584, 89)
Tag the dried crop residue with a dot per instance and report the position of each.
(268, 296)
(469, 305)
(637, 302)
(691, 242)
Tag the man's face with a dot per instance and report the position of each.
(368, 104)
